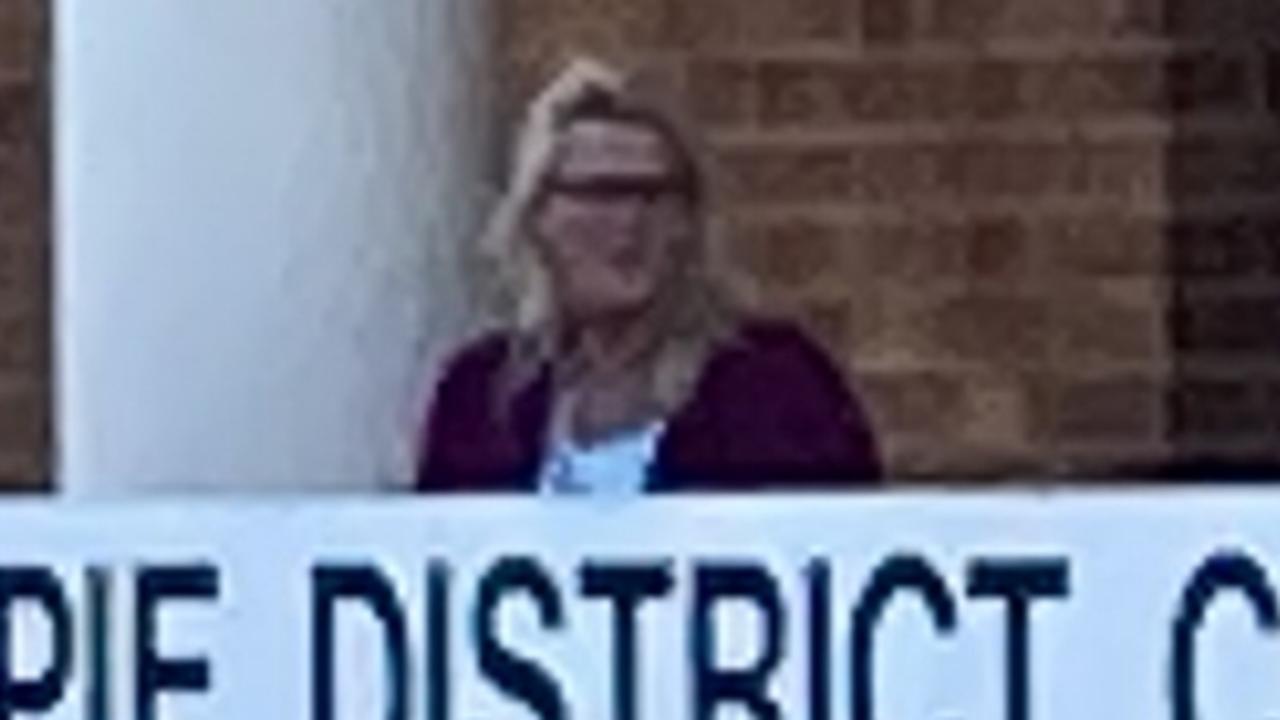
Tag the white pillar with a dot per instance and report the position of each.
(259, 209)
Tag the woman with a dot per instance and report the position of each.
(621, 372)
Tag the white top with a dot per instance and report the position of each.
(618, 465)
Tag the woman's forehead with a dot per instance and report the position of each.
(604, 147)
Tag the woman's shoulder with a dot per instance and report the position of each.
(773, 348)
(468, 373)
(778, 364)
(785, 408)
(481, 355)
(492, 363)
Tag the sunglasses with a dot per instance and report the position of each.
(621, 188)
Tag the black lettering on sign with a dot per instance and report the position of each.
(897, 574)
(41, 587)
(366, 585)
(1019, 583)
(626, 587)
(746, 686)
(153, 673)
(1224, 572)
(514, 674)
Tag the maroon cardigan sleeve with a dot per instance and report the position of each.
(466, 445)
(770, 411)
(773, 412)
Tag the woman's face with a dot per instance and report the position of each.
(612, 219)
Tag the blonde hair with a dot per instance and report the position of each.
(695, 312)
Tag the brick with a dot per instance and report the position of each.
(1031, 168)
(981, 89)
(1089, 88)
(853, 326)
(901, 335)
(1201, 409)
(900, 174)
(805, 93)
(1208, 82)
(24, 324)
(20, 117)
(659, 80)
(993, 89)
(596, 26)
(1109, 463)
(1218, 461)
(950, 462)
(1227, 326)
(869, 326)
(990, 328)
(1232, 21)
(997, 247)
(24, 419)
(1234, 246)
(1141, 19)
(526, 28)
(13, 270)
(22, 37)
(995, 411)
(920, 251)
(1128, 169)
(1269, 244)
(791, 252)
(24, 338)
(22, 187)
(829, 321)
(718, 24)
(723, 92)
(886, 22)
(1272, 87)
(914, 403)
(1092, 327)
(970, 20)
(1118, 410)
(842, 93)
(914, 252)
(988, 169)
(522, 76)
(941, 91)
(785, 174)
(1209, 167)
(1111, 245)
(24, 274)
(24, 472)
(1271, 402)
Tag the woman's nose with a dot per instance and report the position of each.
(631, 212)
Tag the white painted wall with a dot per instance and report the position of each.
(259, 205)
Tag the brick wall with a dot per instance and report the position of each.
(1039, 232)
(1224, 183)
(968, 201)
(24, 245)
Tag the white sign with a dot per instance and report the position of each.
(913, 607)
